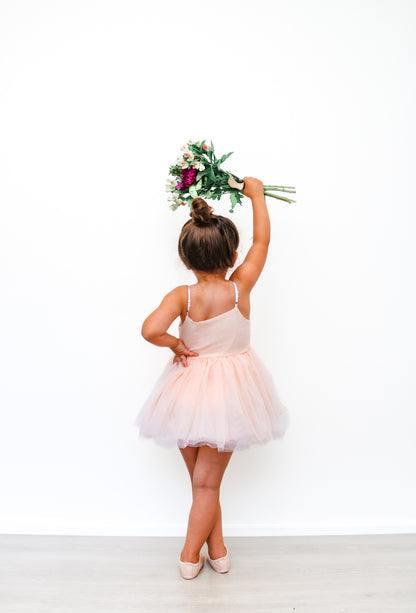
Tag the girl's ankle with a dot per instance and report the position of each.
(189, 557)
(217, 551)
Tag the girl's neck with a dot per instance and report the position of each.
(210, 277)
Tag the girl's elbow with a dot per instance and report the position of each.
(147, 332)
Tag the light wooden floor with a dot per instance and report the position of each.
(309, 574)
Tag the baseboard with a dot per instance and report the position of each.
(70, 528)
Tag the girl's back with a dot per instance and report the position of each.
(213, 298)
(226, 333)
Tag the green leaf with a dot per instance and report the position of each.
(198, 185)
(233, 198)
(192, 191)
(224, 157)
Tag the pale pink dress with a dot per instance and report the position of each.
(225, 398)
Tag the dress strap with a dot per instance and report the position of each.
(189, 299)
(236, 293)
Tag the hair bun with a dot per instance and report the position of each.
(201, 211)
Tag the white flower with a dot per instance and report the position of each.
(198, 165)
(175, 197)
(170, 184)
(188, 155)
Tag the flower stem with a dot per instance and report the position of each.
(280, 188)
(278, 197)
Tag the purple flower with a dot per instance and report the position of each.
(189, 177)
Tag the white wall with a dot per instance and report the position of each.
(96, 100)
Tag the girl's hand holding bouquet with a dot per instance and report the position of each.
(253, 187)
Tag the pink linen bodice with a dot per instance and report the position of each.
(222, 335)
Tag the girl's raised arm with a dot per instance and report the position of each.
(249, 270)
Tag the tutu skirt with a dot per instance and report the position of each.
(227, 401)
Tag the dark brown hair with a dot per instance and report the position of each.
(207, 242)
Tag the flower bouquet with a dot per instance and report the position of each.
(197, 172)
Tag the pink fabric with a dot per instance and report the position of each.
(225, 398)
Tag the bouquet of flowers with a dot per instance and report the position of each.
(197, 172)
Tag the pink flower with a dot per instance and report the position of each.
(189, 177)
(206, 147)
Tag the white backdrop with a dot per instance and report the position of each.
(96, 100)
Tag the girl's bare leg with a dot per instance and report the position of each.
(207, 475)
(215, 539)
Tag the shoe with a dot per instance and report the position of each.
(220, 565)
(189, 570)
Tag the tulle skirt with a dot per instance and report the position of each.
(227, 402)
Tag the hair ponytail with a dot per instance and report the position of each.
(201, 212)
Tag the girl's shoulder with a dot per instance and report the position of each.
(174, 302)
(177, 296)
(177, 293)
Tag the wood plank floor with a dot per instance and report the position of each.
(301, 574)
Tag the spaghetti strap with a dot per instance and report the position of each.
(236, 293)
(189, 299)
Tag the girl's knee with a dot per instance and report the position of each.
(203, 481)
(209, 469)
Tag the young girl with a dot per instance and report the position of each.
(216, 395)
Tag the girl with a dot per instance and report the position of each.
(216, 395)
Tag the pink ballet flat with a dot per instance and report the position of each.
(189, 570)
(220, 565)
